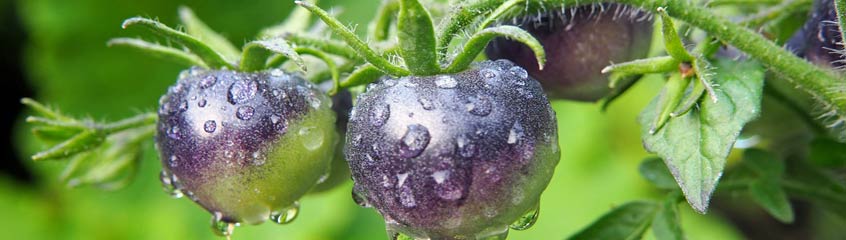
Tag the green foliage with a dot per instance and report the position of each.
(766, 190)
(666, 224)
(695, 145)
(656, 172)
(628, 221)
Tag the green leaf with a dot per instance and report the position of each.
(628, 221)
(197, 28)
(695, 145)
(417, 38)
(807, 182)
(828, 153)
(764, 164)
(766, 189)
(654, 171)
(767, 192)
(666, 225)
(211, 57)
(480, 40)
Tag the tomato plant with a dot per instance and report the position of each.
(411, 120)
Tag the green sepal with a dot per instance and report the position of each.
(197, 28)
(416, 36)
(363, 75)
(256, 54)
(380, 28)
(212, 58)
(480, 40)
(326, 45)
(499, 12)
(690, 99)
(668, 100)
(672, 41)
(80, 142)
(640, 66)
(363, 50)
(163, 52)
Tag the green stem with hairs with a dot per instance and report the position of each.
(840, 8)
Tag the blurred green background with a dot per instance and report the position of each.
(67, 64)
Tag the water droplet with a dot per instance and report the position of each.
(208, 82)
(173, 161)
(446, 81)
(274, 119)
(494, 234)
(221, 227)
(173, 132)
(202, 103)
(414, 141)
(406, 197)
(516, 133)
(389, 82)
(466, 147)
(426, 103)
(527, 220)
(210, 126)
(242, 91)
(401, 179)
(170, 184)
(312, 137)
(313, 101)
(479, 106)
(519, 72)
(245, 112)
(276, 72)
(409, 84)
(286, 216)
(183, 106)
(380, 114)
(259, 158)
(488, 73)
(503, 62)
(440, 176)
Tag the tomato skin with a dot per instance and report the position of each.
(244, 145)
(579, 42)
(453, 156)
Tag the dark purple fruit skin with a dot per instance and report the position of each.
(453, 159)
(223, 137)
(818, 40)
(579, 42)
